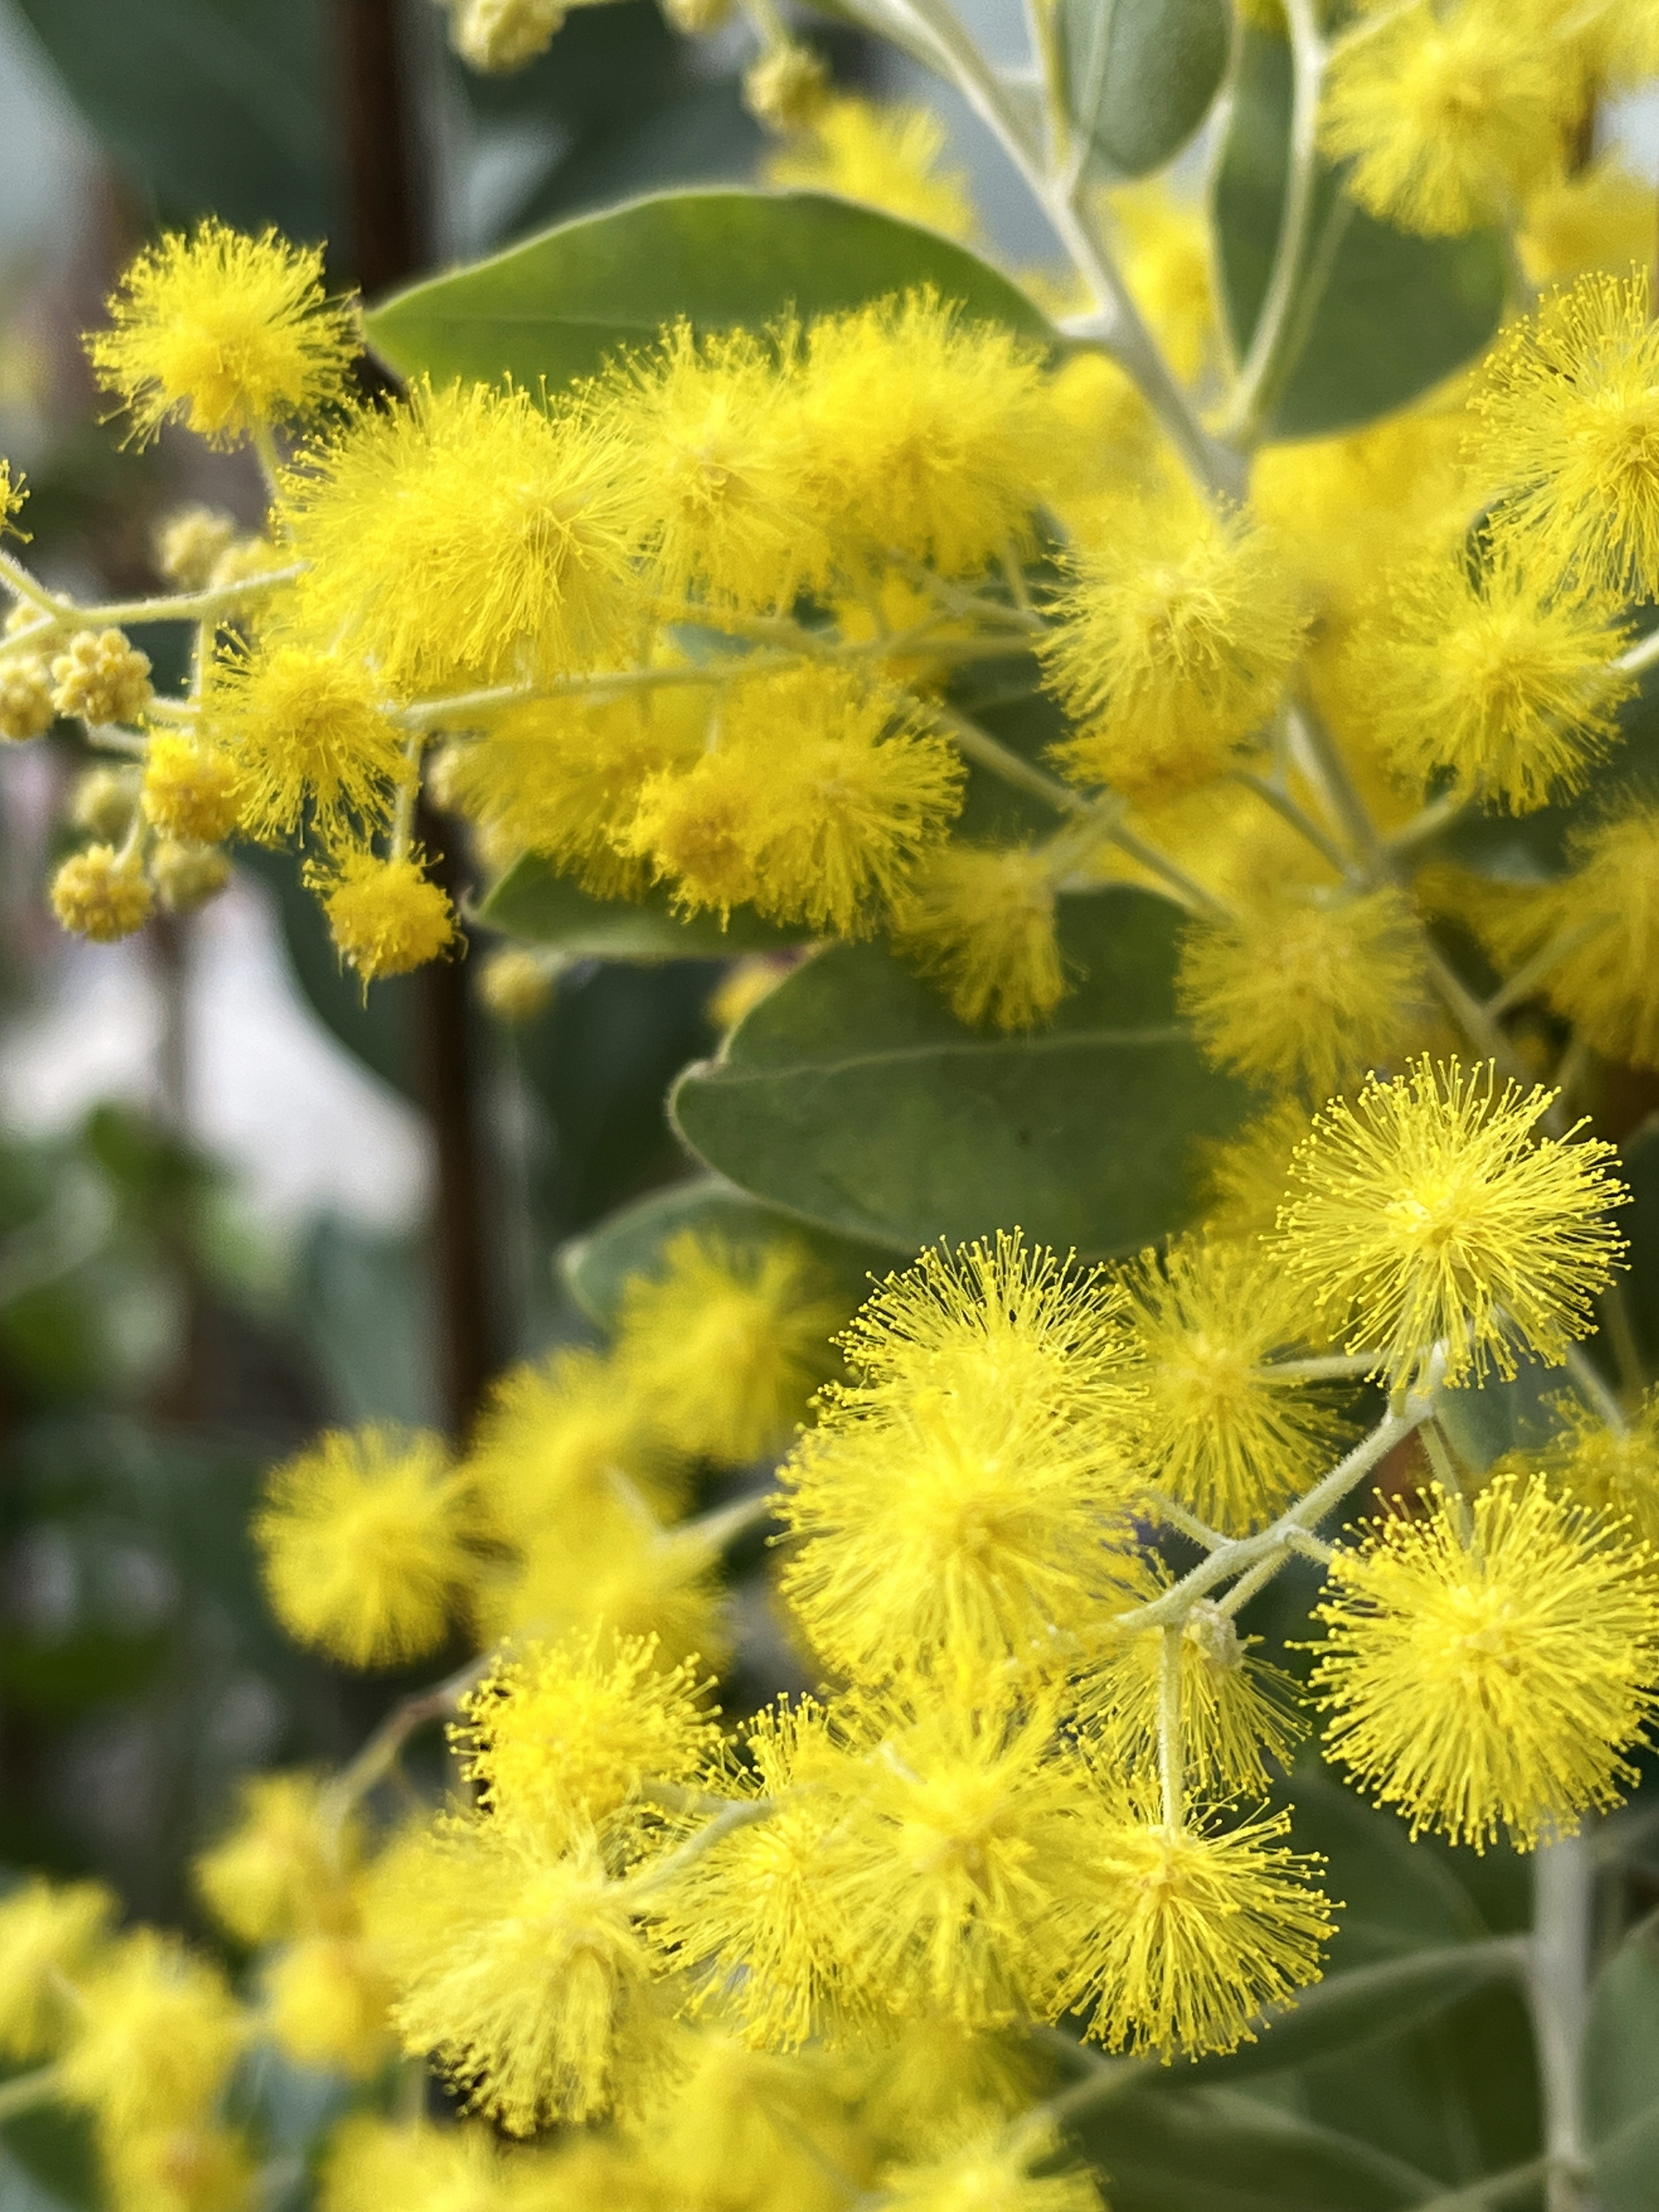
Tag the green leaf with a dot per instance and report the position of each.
(598, 1267)
(1621, 2074)
(1140, 77)
(1379, 315)
(852, 1096)
(213, 106)
(1503, 1417)
(534, 902)
(560, 305)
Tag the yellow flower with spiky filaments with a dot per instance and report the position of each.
(745, 2127)
(1247, 1178)
(1449, 117)
(520, 1968)
(49, 1934)
(225, 333)
(982, 921)
(1428, 1215)
(201, 2168)
(920, 2083)
(1600, 218)
(1568, 409)
(1166, 258)
(467, 536)
(364, 1538)
(619, 1570)
(309, 739)
(370, 2164)
(1494, 1678)
(1174, 638)
(887, 156)
(1239, 1722)
(716, 438)
(1606, 916)
(1302, 994)
(724, 1343)
(1614, 1471)
(696, 830)
(190, 789)
(327, 2002)
(566, 1735)
(276, 1872)
(965, 1495)
(1216, 1432)
(1492, 677)
(930, 435)
(556, 1442)
(992, 2171)
(385, 917)
(1188, 1934)
(159, 2031)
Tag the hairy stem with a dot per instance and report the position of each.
(1170, 1778)
(381, 1752)
(1558, 1991)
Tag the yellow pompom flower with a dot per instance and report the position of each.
(1301, 992)
(101, 677)
(25, 708)
(276, 1872)
(520, 1971)
(198, 2168)
(554, 1440)
(226, 333)
(1614, 1471)
(1493, 678)
(982, 921)
(992, 2172)
(159, 2033)
(563, 1735)
(372, 2165)
(309, 739)
(697, 830)
(722, 460)
(1427, 1214)
(465, 537)
(1216, 1432)
(620, 1571)
(49, 1934)
(887, 156)
(1494, 1679)
(1449, 116)
(723, 1344)
(739, 2127)
(1166, 258)
(98, 894)
(386, 917)
(1606, 980)
(1175, 637)
(329, 2005)
(1247, 1177)
(497, 36)
(1600, 218)
(1239, 1723)
(1191, 1935)
(365, 1545)
(190, 789)
(929, 435)
(962, 1496)
(1568, 413)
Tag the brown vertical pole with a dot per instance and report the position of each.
(388, 244)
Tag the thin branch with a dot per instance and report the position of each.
(743, 1812)
(1166, 1509)
(1520, 986)
(1003, 761)
(1299, 819)
(381, 1752)
(1436, 816)
(183, 607)
(1495, 2189)
(1640, 656)
(1335, 1367)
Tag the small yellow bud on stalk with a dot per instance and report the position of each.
(102, 677)
(25, 708)
(100, 894)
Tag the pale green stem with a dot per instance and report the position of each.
(23, 586)
(1186, 888)
(1309, 1547)
(382, 1751)
(1246, 1586)
(1558, 1991)
(1621, 1335)
(184, 606)
(715, 1530)
(1639, 656)
(173, 710)
(1264, 365)
(1337, 1366)
(1299, 819)
(1450, 1476)
(957, 599)
(1482, 1031)
(270, 460)
(409, 794)
(1166, 1509)
(1003, 761)
(1429, 823)
(1171, 1782)
(26, 2091)
(1321, 759)
(1041, 27)
(1014, 576)
(744, 1813)
(1494, 2189)
(1526, 979)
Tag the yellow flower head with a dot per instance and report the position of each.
(467, 536)
(724, 1346)
(1427, 1214)
(190, 789)
(26, 689)
(1496, 680)
(992, 2172)
(1239, 1723)
(1449, 116)
(328, 2003)
(982, 921)
(189, 542)
(309, 739)
(929, 435)
(1569, 415)
(1614, 1471)
(1175, 635)
(962, 1498)
(522, 1971)
(201, 2168)
(1493, 1679)
(372, 2165)
(718, 444)
(1217, 1433)
(617, 1570)
(101, 677)
(1166, 258)
(552, 1441)
(698, 831)
(743, 2127)
(563, 1735)
(498, 36)
(226, 333)
(886, 156)
(1302, 994)
(1191, 1935)
(99, 894)
(1600, 218)
(386, 917)
(922, 2084)
(1246, 1178)
(12, 496)
(159, 2034)
(276, 1872)
(364, 1537)
(1607, 912)
(49, 1934)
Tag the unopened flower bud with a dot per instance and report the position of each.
(101, 678)
(515, 984)
(189, 790)
(499, 35)
(187, 876)
(189, 541)
(246, 557)
(25, 697)
(103, 803)
(97, 894)
(787, 87)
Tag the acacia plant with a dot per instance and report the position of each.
(1162, 740)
